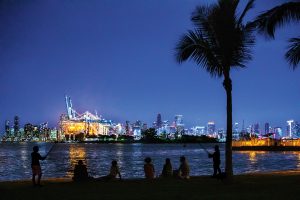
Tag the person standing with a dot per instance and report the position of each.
(35, 166)
(216, 160)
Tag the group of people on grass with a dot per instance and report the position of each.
(167, 172)
(81, 173)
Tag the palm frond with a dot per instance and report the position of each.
(193, 46)
(244, 44)
(278, 16)
(293, 53)
(200, 19)
(218, 42)
(200, 14)
(249, 5)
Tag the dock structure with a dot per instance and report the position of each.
(266, 144)
(74, 126)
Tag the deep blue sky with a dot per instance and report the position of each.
(117, 57)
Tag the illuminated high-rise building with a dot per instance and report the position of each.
(221, 134)
(249, 129)
(128, 128)
(290, 128)
(293, 129)
(236, 127)
(154, 125)
(178, 120)
(278, 132)
(199, 130)
(7, 128)
(16, 126)
(179, 123)
(267, 128)
(256, 128)
(236, 131)
(137, 129)
(211, 128)
(158, 121)
(297, 130)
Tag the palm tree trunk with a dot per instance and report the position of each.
(228, 147)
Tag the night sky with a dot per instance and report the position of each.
(117, 57)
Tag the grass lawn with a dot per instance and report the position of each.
(283, 186)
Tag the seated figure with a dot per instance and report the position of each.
(80, 172)
(167, 169)
(184, 169)
(149, 168)
(114, 171)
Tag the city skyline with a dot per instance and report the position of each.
(238, 127)
(126, 70)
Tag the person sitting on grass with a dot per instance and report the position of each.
(184, 169)
(80, 172)
(167, 169)
(114, 171)
(216, 161)
(35, 166)
(149, 168)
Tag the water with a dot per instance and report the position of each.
(15, 159)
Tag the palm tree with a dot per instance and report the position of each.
(219, 42)
(276, 17)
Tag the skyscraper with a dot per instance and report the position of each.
(236, 131)
(221, 134)
(199, 130)
(179, 124)
(211, 128)
(128, 129)
(16, 126)
(267, 128)
(278, 132)
(256, 128)
(297, 130)
(137, 129)
(291, 128)
(7, 128)
(158, 121)
(178, 120)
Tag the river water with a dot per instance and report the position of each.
(15, 159)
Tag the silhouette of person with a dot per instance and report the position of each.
(167, 169)
(149, 168)
(35, 166)
(80, 172)
(216, 160)
(114, 171)
(184, 169)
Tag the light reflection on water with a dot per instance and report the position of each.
(15, 159)
(76, 153)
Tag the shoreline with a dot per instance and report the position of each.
(269, 185)
(68, 180)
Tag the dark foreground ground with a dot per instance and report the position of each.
(281, 185)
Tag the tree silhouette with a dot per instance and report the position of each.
(276, 17)
(219, 42)
(149, 135)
